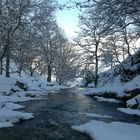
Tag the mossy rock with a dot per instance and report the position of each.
(21, 85)
(30, 95)
(130, 94)
(50, 84)
(124, 98)
(134, 92)
(134, 106)
(109, 95)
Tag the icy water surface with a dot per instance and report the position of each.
(57, 112)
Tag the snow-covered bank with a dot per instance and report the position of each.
(10, 117)
(130, 111)
(107, 100)
(121, 83)
(110, 131)
(17, 89)
(114, 92)
(116, 87)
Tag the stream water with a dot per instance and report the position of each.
(57, 112)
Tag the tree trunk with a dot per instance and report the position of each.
(96, 64)
(20, 69)
(31, 73)
(123, 53)
(7, 54)
(1, 67)
(49, 73)
(128, 45)
(96, 72)
(111, 65)
(8, 63)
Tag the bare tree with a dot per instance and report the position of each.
(93, 30)
(12, 15)
(24, 27)
(66, 62)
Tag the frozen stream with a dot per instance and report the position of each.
(57, 112)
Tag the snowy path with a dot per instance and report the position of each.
(56, 113)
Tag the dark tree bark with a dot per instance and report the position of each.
(96, 64)
(49, 73)
(8, 63)
(1, 67)
(7, 55)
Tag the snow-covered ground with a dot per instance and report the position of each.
(119, 89)
(115, 86)
(107, 100)
(110, 131)
(134, 100)
(10, 117)
(130, 111)
(8, 104)
(11, 95)
(77, 82)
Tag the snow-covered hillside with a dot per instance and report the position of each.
(120, 83)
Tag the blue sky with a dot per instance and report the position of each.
(68, 20)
